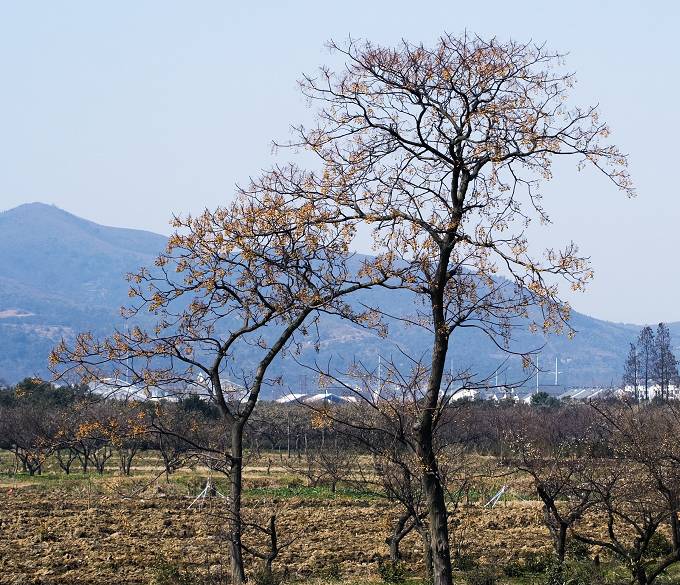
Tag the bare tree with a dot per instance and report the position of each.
(442, 151)
(554, 453)
(275, 546)
(382, 419)
(637, 488)
(30, 436)
(326, 462)
(230, 293)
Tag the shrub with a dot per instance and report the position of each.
(295, 483)
(537, 562)
(555, 575)
(166, 573)
(532, 564)
(513, 569)
(392, 573)
(264, 576)
(659, 546)
(463, 562)
(482, 576)
(578, 550)
(584, 573)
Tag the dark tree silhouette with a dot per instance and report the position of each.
(665, 367)
(646, 349)
(631, 371)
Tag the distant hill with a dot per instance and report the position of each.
(60, 274)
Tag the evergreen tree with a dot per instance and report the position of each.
(631, 371)
(646, 351)
(665, 367)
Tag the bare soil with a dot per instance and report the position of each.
(60, 535)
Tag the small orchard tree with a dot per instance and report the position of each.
(130, 433)
(229, 294)
(382, 419)
(552, 448)
(637, 489)
(441, 151)
(29, 434)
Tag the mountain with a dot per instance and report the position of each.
(60, 274)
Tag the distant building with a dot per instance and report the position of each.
(585, 394)
(466, 394)
(654, 391)
(320, 397)
(117, 389)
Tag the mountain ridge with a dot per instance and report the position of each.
(66, 274)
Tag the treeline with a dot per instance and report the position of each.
(40, 422)
(651, 368)
(84, 431)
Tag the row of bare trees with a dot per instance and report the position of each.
(84, 436)
(608, 475)
(86, 432)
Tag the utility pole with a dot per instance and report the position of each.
(378, 393)
(288, 432)
(127, 361)
(537, 370)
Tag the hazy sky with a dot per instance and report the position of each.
(123, 112)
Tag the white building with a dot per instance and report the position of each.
(653, 391)
(329, 397)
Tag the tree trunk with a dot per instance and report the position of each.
(126, 458)
(238, 575)
(19, 460)
(561, 542)
(84, 459)
(431, 480)
(397, 535)
(675, 530)
(439, 532)
(427, 548)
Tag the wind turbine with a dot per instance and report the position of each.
(557, 372)
(537, 371)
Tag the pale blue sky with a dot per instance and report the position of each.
(124, 112)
